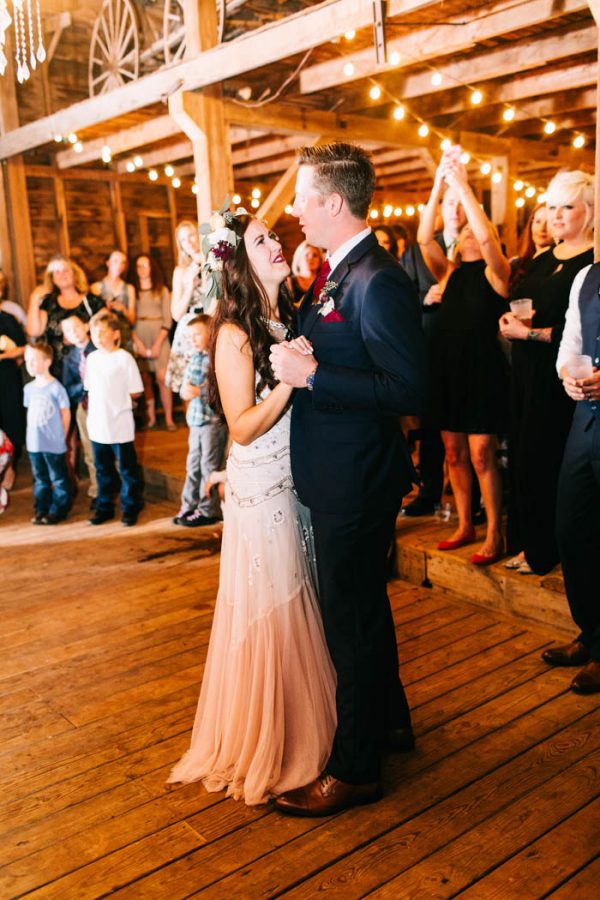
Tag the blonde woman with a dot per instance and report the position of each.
(187, 299)
(63, 293)
(306, 263)
(540, 411)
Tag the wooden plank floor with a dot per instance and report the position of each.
(104, 634)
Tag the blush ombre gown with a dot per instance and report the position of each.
(266, 714)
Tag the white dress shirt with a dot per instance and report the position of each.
(572, 340)
(342, 252)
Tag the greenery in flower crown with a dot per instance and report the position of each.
(218, 245)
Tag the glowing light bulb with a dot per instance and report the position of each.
(349, 70)
(394, 58)
(138, 162)
(58, 138)
(497, 177)
(388, 209)
(72, 138)
(398, 211)
(476, 98)
(423, 130)
(518, 185)
(420, 207)
(485, 168)
(465, 158)
(446, 144)
(436, 79)
(541, 198)
(579, 142)
(530, 192)
(130, 166)
(374, 214)
(255, 203)
(236, 199)
(550, 127)
(106, 155)
(519, 202)
(195, 189)
(350, 34)
(256, 193)
(176, 182)
(78, 147)
(410, 210)
(153, 175)
(375, 92)
(508, 114)
(289, 208)
(169, 171)
(399, 113)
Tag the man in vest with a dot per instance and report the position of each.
(578, 507)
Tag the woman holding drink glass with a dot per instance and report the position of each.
(540, 411)
(469, 369)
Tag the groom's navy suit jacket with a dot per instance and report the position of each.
(348, 452)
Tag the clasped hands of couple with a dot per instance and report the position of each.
(293, 361)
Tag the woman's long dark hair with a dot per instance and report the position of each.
(246, 305)
(156, 274)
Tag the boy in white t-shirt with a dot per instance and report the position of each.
(112, 380)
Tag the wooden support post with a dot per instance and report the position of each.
(17, 250)
(61, 215)
(201, 116)
(119, 215)
(509, 232)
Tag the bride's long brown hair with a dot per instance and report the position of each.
(245, 304)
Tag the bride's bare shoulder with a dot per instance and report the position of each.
(232, 337)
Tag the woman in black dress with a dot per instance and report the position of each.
(12, 413)
(63, 293)
(540, 411)
(469, 370)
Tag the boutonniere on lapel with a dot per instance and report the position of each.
(327, 303)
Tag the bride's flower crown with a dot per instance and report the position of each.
(218, 245)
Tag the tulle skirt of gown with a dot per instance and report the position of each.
(266, 714)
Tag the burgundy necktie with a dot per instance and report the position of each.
(320, 280)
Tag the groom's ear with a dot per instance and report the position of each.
(335, 204)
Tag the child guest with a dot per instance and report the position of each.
(48, 421)
(207, 434)
(77, 333)
(112, 380)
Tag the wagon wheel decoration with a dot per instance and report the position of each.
(115, 47)
(174, 31)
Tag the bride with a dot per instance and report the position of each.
(266, 714)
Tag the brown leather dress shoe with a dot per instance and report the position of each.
(326, 795)
(573, 654)
(401, 740)
(588, 680)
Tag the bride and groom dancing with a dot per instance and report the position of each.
(301, 693)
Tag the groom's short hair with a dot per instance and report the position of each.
(343, 169)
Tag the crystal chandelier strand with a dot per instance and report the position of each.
(32, 59)
(40, 52)
(25, 22)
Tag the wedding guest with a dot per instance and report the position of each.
(187, 300)
(469, 369)
(306, 263)
(112, 381)
(540, 411)
(12, 419)
(578, 498)
(386, 238)
(151, 336)
(77, 333)
(48, 420)
(118, 295)
(535, 239)
(207, 436)
(450, 220)
(64, 292)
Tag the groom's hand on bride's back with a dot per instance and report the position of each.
(291, 365)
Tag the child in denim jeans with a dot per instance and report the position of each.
(48, 420)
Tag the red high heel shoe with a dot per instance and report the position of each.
(461, 542)
(484, 559)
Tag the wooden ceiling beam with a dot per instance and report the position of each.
(552, 106)
(162, 156)
(534, 84)
(121, 142)
(267, 167)
(264, 149)
(274, 42)
(594, 6)
(425, 44)
(484, 145)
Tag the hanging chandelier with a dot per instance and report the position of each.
(27, 23)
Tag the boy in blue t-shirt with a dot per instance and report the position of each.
(48, 420)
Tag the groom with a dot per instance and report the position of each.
(350, 464)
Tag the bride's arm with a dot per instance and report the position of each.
(246, 419)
